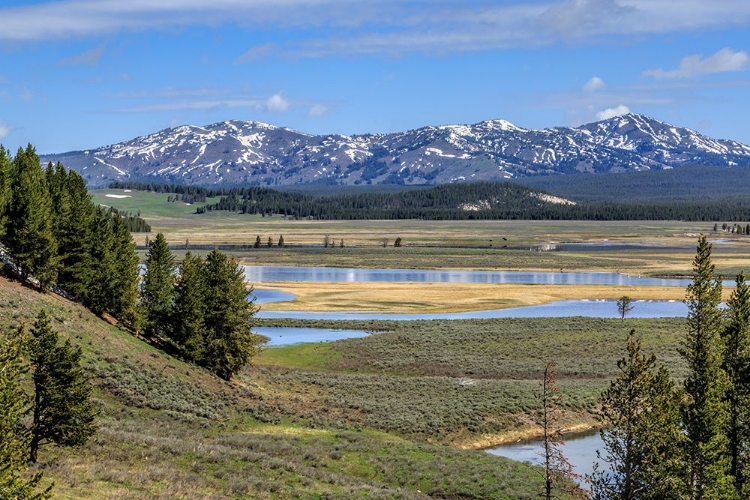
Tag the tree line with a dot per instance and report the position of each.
(55, 236)
(465, 201)
(199, 308)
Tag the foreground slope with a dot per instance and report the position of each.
(170, 430)
(237, 152)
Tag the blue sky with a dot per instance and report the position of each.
(78, 74)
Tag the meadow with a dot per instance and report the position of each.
(401, 413)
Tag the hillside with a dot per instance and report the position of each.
(171, 430)
(253, 153)
(693, 184)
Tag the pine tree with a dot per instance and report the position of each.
(75, 239)
(62, 412)
(15, 439)
(158, 287)
(229, 342)
(6, 177)
(29, 235)
(188, 327)
(704, 413)
(98, 290)
(125, 264)
(736, 363)
(640, 417)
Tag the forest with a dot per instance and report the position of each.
(464, 201)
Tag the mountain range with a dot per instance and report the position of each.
(254, 153)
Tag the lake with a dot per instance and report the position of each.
(580, 450)
(259, 274)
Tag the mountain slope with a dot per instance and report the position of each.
(237, 152)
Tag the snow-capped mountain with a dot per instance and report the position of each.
(238, 152)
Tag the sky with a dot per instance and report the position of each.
(79, 74)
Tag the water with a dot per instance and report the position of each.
(559, 309)
(259, 274)
(280, 336)
(268, 296)
(580, 450)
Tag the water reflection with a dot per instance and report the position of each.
(259, 274)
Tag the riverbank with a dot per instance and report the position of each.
(449, 297)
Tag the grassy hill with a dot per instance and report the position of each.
(171, 430)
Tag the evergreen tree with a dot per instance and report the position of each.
(29, 235)
(158, 286)
(229, 342)
(281, 240)
(6, 177)
(704, 413)
(75, 239)
(62, 412)
(125, 263)
(736, 363)
(641, 428)
(103, 280)
(188, 327)
(15, 439)
(624, 306)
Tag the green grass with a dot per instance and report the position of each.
(149, 204)
(172, 430)
(457, 382)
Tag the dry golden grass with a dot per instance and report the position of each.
(450, 297)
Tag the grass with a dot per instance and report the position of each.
(466, 383)
(172, 430)
(450, 297)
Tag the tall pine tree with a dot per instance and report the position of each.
(641, 428)
(76, 239)
(736, 364)
(29, 234)
(229, 342)
(188, 325)
(704, 413)
(158, 287)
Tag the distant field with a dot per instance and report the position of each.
(436, 244)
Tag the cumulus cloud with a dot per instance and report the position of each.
(255, 52)
(88, 58)
(317, 109)
(4, 130)
(277, 103)
(696, 65)
(612, 112)
(594, 84)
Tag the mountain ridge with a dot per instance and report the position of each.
(257, 153)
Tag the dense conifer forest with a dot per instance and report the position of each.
(481, 200)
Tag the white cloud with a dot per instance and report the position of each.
(317, 109)
(89, 58)
(4, 130)
(379, 26)
(612, 112)
(594, 84)
(695, 65)
(255, 52)
(277, 104)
